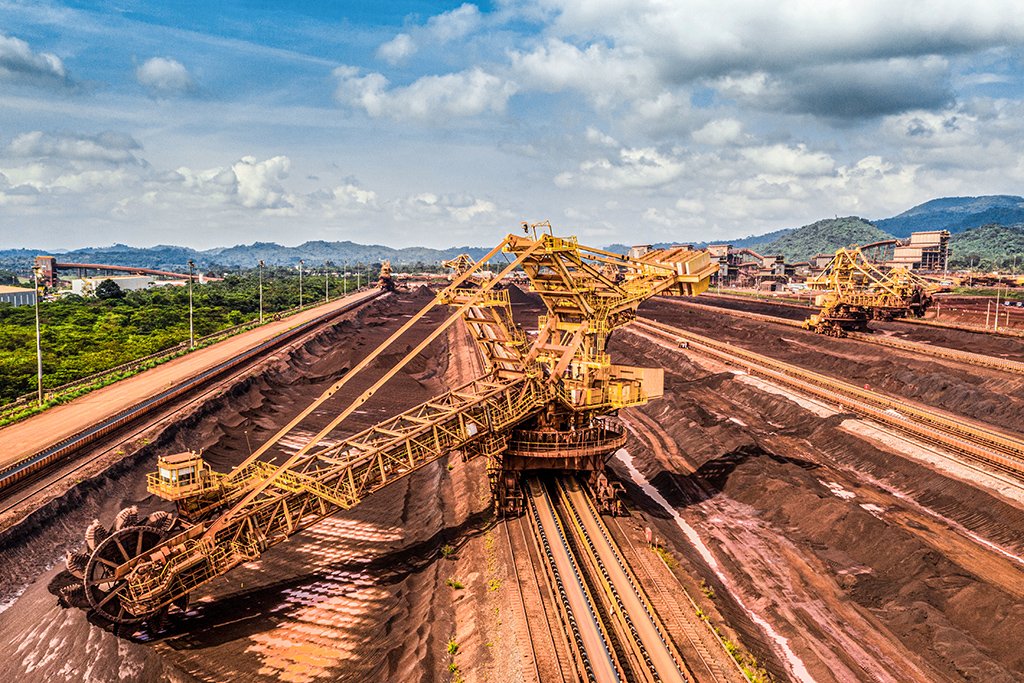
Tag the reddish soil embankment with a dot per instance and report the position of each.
(867, 565)
(985, 395)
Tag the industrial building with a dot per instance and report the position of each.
(926, 250)
(128, 283)
(17, 296)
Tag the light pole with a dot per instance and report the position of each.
(261, 291)
(191, 328)
(39, 343)
(327, 285)
(300, 282)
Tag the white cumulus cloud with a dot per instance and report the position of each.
(784, 159)
(719, 132)
(19, 63)
(439, 30)
(632, 168)
(465, 93)
(455, 24)
(107, 147)
(164, 76)
(397, 49)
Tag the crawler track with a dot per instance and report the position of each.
(23, 479)
(971, 440)
(963, 357)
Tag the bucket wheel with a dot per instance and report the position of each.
(95, 584)
(103, 589)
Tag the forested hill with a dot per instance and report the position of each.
(956, 214)
(988, 248)
(821, 237)
(175, 258)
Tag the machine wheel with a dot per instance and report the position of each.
(102, 589)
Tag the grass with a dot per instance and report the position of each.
(751, 668)
(666, 557)
(15, 413)
(455, 584)
(990, 292)
(447, 551)
(453, 667)
(493, 584)
(707, 590)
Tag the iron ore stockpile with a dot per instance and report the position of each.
(779, 506)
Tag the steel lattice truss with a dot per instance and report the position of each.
(227, 519)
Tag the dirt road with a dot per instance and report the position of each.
(30, 436)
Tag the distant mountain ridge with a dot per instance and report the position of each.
(175, 258)
(822, 237)
(956, 214)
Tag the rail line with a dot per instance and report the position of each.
(531, 635)
(616, 633)
(18, 481)
(942, 353)
(591, 646)
(910, 321)
(969, 439)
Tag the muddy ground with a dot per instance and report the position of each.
(978, 342)
(869, 565)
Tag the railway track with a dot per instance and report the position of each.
(539, 624)
(614, 630)
(942, 353)
(910, 321)
(975, 442)
(20, 480)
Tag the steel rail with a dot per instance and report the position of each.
(658, 655)
(41, 460)
(911, 321)
(522, 602)
(940, 352)
(575, 602)
(996, 449)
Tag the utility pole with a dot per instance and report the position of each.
(300, 282)
(344, 277)
(191, 329)
(261, 291)
(327, 285)
(995, 328)
(39, 343)
(359, 275)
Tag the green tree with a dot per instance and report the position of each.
(108, 289)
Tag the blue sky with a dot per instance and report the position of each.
(429, 123)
